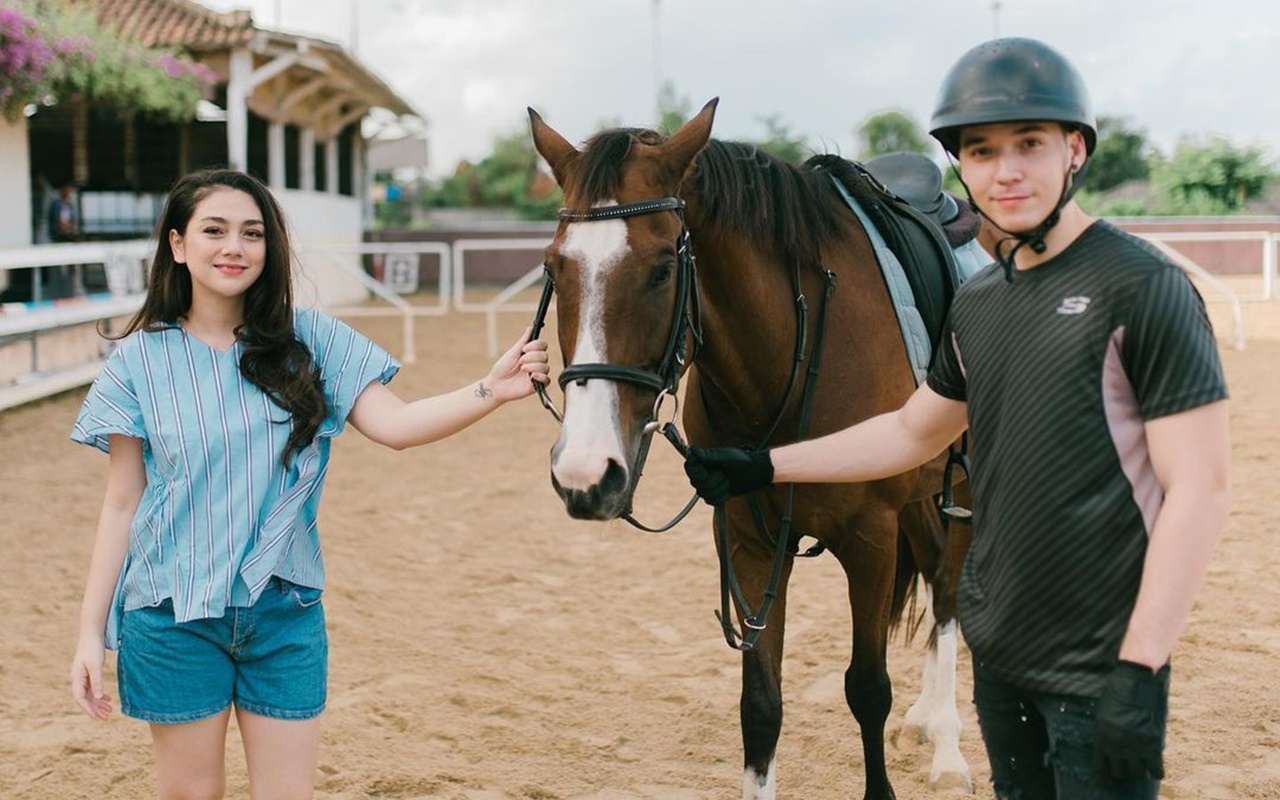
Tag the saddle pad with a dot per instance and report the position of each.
(915, 333)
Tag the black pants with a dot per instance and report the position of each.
(1041, 746)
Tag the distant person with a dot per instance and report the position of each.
(63, 220)
(218, 409)
(63, 217)
(1085, 369)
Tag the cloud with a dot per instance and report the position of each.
(1173, 67)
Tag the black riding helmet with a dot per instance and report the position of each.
(1012, 80)
(1006, 80)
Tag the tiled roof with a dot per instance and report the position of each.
(192, 27)
(175, 23)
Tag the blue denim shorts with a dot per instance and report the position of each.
(270, 659)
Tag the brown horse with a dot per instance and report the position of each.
(771, 240)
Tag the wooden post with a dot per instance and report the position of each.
(241, 68)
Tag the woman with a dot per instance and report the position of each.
(218, 408)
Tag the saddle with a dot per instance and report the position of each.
(916, 179)
(922, 224)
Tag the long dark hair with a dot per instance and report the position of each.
(273, 358)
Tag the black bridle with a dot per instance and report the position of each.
(665, 381)
(685, 334)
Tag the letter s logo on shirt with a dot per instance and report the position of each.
(1073, 305)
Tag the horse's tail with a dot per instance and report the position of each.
(905, 586)
(921, 550)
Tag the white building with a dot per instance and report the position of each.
(287, 109)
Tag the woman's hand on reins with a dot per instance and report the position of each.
(513, 374)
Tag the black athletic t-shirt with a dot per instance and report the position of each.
(1060, 368)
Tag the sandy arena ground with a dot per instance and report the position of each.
(486, 647)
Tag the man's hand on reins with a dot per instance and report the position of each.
(718, 473)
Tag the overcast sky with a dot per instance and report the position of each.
(471, 67)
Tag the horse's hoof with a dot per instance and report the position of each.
(951, 780)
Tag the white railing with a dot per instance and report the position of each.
(385, 288)
(124, 266)
(504, 300)
(452, 282)
(1163, 240)
(1267, 239)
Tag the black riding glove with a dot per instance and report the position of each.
(718, 473)
(1128, 741)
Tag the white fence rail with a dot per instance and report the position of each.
(1222, 292)
(123, 264)
(451, 289)
(505, 300)
(406, 258)
(1267, 240)
(39, 319)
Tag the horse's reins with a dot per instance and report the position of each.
(754, 622)
(665, 379)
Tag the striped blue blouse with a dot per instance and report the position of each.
(220, 515)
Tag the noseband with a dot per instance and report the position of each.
(665, 378)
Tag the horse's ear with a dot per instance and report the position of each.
(685, 144)
(552, 146)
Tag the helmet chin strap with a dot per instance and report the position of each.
(1033, 238)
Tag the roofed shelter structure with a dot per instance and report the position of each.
(286, 108)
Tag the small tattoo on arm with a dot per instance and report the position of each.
(483, 391)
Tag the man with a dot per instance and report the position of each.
(1085, 368)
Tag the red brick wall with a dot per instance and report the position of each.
(502, 266)
(1223, 257)
(495, 267)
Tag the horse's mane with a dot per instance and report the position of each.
(783, 209)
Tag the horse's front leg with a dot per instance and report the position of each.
(760, 707)
(868, 554)
(761, 712)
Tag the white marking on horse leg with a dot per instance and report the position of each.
(918, 718)
(761, 787)
(591, 437)
(944, 723)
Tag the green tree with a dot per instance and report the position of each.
(509, 177)
(1210, 177)
(781, 142)
(1122, 154)
(951, 179)
(890, 131)
(394, 208)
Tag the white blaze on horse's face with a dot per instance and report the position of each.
(591, 437)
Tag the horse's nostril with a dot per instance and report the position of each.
(614, 480)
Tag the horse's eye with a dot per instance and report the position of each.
(661, 274)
